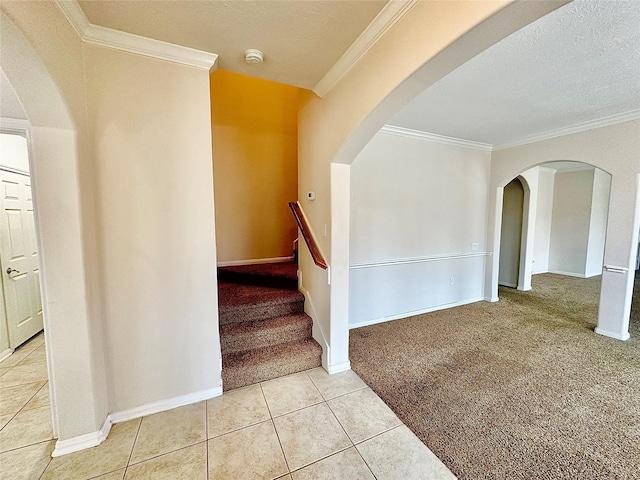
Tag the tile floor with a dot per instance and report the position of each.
(309, 425)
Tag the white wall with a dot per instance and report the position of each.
(570, 223)
(14, 152)
(598, 222)
(417, 207)
(150, 121)
(544, 213)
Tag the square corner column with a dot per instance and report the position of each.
(619, 258)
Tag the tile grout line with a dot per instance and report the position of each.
(298, 409)
(349, 393)
(265, 400)
(45, 468)
(27, 445)
(286, 462)
(126, 467)
(206, 435)
(366, 439)
(340, 423)
(314, 384)
(381, 433)
(322, 458)
(161, 455)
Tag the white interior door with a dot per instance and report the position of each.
(19, 258)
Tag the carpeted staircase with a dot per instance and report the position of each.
(264, 332)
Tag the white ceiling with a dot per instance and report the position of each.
(301, 40)
(576, 65)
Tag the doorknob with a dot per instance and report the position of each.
(12, 270)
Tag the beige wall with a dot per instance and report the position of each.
(124, 195)
(616, 150)
(572, 197)
(42, 58)
(149, 124)
(255, 163)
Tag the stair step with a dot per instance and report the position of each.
(252, 366)
(236, 337)
(280, 275)
(242, 303)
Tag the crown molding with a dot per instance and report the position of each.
(577, 128)
(128, 42)
(391, 14)
(409, 133)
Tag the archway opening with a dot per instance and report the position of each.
(511, 233)
(559, 246)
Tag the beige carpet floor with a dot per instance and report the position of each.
(518, 389)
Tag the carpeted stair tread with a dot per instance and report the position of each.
(257, 365)
(231, 294)
(242, 303)
(282, 275)
(236, 337)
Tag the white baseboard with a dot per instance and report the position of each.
(167, 404)
(255, 261)
(75, 444)
(568, 274)
(341, 367)
(6, 354)
(491, 299)
(94, 439)
(615, 335)
(316, 332)
(414, 313)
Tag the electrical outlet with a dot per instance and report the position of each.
(475, 246)
(451, 280)
(324, 230)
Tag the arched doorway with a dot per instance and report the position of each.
(511, 233)
(75, 358)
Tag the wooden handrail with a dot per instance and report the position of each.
(306, 234)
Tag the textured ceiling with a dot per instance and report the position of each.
(578, 64)
(301, 40)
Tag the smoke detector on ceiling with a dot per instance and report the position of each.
(253, 56)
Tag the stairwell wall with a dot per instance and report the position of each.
(255, 160)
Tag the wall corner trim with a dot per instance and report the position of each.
(167, 404)
(75, 444)
(128, 42)
(5, 354)
(341, 367)
(418, 134)
(391, 14)
(617, 336)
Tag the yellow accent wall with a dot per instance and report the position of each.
(255, 165)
